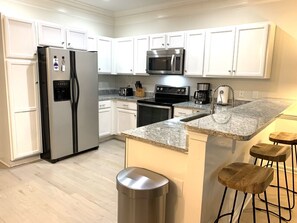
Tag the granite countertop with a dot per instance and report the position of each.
(238, 123)
(118, 97)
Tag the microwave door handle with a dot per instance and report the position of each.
(172, 63)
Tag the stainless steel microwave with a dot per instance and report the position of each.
(169, 61)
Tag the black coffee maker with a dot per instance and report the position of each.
(202, 95)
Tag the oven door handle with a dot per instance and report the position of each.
(154, 106)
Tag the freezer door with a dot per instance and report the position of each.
(60, 114)
(87, 111)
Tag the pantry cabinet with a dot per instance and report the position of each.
(20, 38)
(50, 34)
(105, 56)
(240, 51)
(23, 91)
(124, 55)
(76, 39)
(167, 40)
(194, 60)
(141, 46)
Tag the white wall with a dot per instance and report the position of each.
(283, 81)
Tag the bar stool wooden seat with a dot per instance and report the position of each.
(277, 154)
(290, 139)
(246, 178)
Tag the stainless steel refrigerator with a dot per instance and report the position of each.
(69, 102)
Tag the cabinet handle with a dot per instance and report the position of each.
(234, 71)
(186, 71)
(134, 115)
(167, 44)
(162, 44)
(99, 68)
(63, 43)
(36, 82)
(68, 44)
(131, 70)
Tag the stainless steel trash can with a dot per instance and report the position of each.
(141, 196)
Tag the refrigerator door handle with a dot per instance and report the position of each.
(71, 92)
(77, 89)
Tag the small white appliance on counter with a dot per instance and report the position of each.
(223, 95)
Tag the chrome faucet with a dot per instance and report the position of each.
(212, 105)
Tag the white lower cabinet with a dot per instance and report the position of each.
(105, 118)
(180, 112)
(23, 89)
(126, 113)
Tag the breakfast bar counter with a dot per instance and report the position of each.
(191, 152)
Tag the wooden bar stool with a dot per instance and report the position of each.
(290, 139)
(246, 178)
(277, 154)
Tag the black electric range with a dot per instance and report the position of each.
(160, 107)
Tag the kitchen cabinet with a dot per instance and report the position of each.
(219, 51)
(180, 112)
(23, 88)
(15, 44)
(104, 46)
(126, 113)
(167, 40)
(194, 60)
(92, 43)
(50, 34)
(76, 39)
(105, 118)
(124, 50)
(141, 46)
(241, 51)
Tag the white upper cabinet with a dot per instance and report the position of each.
(124, 55)
(76, 39)
(194, 60)
(104, 47)
(141, 46)
(240, 51)
(92, 43)
(251, 48)
(20, 38)
(219, 51)
(167, 40)
(51, 35)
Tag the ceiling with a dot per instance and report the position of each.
(124, 5)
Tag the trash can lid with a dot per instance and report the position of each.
(143, 181)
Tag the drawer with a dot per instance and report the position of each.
(178, 112)
(104, 104)
(127, 105)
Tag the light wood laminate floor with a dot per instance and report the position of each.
(79, 189)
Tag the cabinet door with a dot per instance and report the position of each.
(194, 60)
(250, 50)
(105, 122)
(141, 46)
(180, 112)
(124, 55)
(24, 108)
(158, 41)
(92, 43)
(219, 51)
(104, 47)
(175, 40)
(51, 35)
(76, 39)
(126, 119)
(20, 38)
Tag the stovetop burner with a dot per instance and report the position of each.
(168, 95)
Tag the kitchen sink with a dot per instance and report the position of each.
(191, 118)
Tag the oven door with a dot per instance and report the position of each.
(148, 113)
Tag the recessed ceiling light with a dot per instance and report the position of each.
(62, 10)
